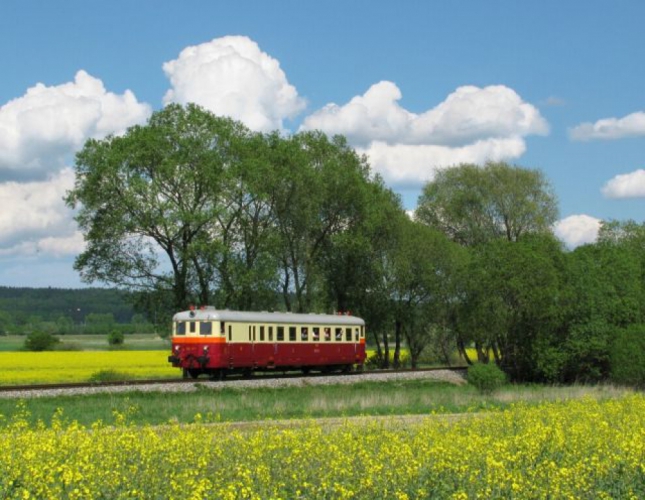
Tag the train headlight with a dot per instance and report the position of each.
(176, 348)
(205, 348)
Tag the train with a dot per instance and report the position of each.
(218, 342)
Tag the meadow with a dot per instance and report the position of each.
(575, 449)
(80, 366)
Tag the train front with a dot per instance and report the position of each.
(198, 342)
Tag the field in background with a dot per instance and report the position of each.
(136, 341)
(80, 366)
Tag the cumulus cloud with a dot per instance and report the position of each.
(412, 164)
(630, 185)
(231, 76)
(34, 217)
(610, 128)
(577, 230)
(471, 125)
(39, 130)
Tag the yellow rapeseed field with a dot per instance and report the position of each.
(79, 366)
(579, 449)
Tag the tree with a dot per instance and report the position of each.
(425, 264)
(511, 301)
(147, 201)
(473, 205)
(320, 194)
(96, 323)
(40, 341)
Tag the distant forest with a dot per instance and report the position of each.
(50, 304)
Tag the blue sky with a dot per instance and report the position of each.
(416, 85)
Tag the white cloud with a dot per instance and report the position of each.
(630, 185)
(34, 217)
(577, 230)
(39, 130)
(472, 125)
(231, 76)
(467, 115)
(414, 164)
(610, 128)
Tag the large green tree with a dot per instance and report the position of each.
(147, 201)
(510, 301)
(473, 204)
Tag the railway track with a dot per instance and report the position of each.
(161, 382)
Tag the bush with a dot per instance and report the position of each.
(628, 356)
(40, 341)
(109, 376)
(486, 377)
(116, 338)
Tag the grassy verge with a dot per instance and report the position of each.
(238, 405)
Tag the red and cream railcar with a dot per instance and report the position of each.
(217, 342)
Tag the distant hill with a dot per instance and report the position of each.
(51, 303)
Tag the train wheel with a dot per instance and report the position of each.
(347, 368)
(193, 373)
(306, 370)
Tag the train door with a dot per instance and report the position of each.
(273, 343)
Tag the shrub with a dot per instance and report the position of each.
(486, 377)
(40, 341)
(109, 376)
(116, 338)
(628, 356)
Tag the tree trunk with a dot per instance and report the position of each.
(386, 352)
(398, 327)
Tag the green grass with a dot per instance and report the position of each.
(133, 342)
(238, 405)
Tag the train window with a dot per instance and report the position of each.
(253, 333)
(222, 328)
(292, 333)
(230, 332)
(327, 333)
(249, 332)
(339, 334)
(261, 334)
(280, 334)
(181, 328)
(348, 334)
(205, 328)
(192, 327)
(270, 334)
(304, 333)
(357, 336)
(316, 332)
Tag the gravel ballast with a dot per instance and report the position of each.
(439, 375)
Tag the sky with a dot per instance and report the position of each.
(415, 85)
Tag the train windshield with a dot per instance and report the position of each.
(181, 328)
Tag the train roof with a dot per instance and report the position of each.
(212, 314)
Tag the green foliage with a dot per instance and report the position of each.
(40, 341)
(473, 204)
(486, 377)
(109, 376)
(509, 300)
(63, 306)
(116, 338)
(628, 356)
